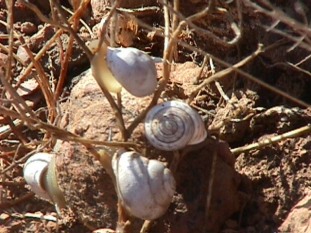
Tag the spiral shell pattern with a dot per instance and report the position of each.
(173, 125)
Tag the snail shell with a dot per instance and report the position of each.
(145, 187)
(129, 68)
(34, 170)
(39, 173)
(173, 125)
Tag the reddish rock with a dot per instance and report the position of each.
(88, 114)
(299, 219)
(28, 28)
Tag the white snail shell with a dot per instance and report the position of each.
(34, 169)
(173, 125)
(129, 68)
(39, 173)
(144, 186)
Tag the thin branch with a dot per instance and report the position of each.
(105, 24)
(291, 134)
(10, 21)
(62, 133)
(96, 75)
(166, 66)
(235, 68)
(210, 189)
(66, 58)
(23, 111)
(42, 80)
(166, 25)
(277, 14)
(47, 45)
(223, 73)
(40, 15)
(38, 216)
(296, 39)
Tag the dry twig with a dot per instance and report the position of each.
(258, 145)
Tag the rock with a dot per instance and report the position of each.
(88, 189)
(99, 7)
(38, 40)
(299, 218)
(87, 113)
(3, 59)
(23, 55)
(28, 28)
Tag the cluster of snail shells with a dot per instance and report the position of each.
(173, 125)
(128, 68)
(144, 187)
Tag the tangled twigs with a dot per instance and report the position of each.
(230, 69)
(68, 53)
(280, 16)
(62, 134)
(236, 68)
(45, 48)
(291, 134)
(224, 72)
(23, 111)
(89, 54)
(167, 59)
(43, 82)
(96, 75)
(299, 32)
(41, 79)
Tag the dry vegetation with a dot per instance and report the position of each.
(249, 79)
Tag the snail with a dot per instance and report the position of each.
(39, 173)
(129, 68)
(145, 187)
(173, 125)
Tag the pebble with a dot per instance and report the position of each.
(28, 28)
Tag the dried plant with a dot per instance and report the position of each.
(15, 114)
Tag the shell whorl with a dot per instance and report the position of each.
(144, 186)
(35, 169)
(172, 125)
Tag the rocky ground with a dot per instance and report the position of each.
(265, 189)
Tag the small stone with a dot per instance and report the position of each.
(22, 54)
(3, 59)
(4, 216)
(28, 28)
